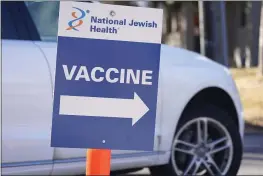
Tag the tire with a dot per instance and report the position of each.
(214, 116)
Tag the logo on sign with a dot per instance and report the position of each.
(78, 20)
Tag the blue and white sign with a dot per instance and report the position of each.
(107, 71)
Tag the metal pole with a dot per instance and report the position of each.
(224, 33)
(201, 27)
(260, 54)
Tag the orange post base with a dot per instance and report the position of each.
(98, 162)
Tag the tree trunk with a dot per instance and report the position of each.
(256, 13)
(260, 55)
(167, 22)
(187, 25)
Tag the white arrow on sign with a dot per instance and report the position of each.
(103, 107)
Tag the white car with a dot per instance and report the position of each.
(199, 126)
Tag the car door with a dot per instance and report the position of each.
(26, 96)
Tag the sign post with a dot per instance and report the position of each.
(98, 162)
(106, 84)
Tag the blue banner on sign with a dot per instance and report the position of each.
(96, 72)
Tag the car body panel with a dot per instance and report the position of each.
(187, 73)
(26, 100)
(42, 169)
(182, 75)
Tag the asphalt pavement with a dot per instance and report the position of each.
(252, 163)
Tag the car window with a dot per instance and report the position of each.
(16, 22)
(45, 16)
(8, 30)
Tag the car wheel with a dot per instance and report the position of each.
(206, 142)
